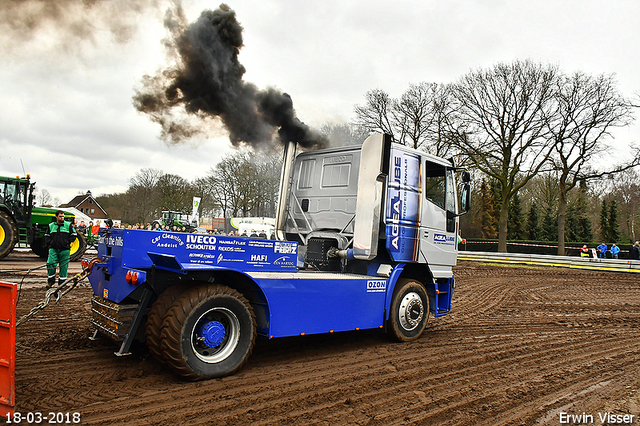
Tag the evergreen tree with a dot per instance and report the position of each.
(549, 231)
(584, 232)
(489, 220)
(604, 221)
(613, 227)
(515, 230)
(571, 229)
(533, 223)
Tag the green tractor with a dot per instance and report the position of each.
(21, 222)
(178, 219)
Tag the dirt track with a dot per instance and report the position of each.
(521, 346)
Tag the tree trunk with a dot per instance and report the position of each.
(562, 218)
(503, 223)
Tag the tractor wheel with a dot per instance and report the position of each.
(209, 332)
(155, 317)
(78, 247)
(8, 234)
(409, 310)
(38, 248)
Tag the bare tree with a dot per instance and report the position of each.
(174, 193)
(626, 189)
(588, 108)
(344, 134)
(206, 189)
(43, 198)
(498, 123)
(414, 114)
(142, 196)
(376, 114)
(418, 119)
(246, 184)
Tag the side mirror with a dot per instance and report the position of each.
(466, 177)
(465, 197)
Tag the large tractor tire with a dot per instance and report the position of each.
(38, 248)
(409, 310)
(155, 318)
(8, 234)
(209, 332)
(78, 247)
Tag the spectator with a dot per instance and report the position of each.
(584, 251)
(59, 236)
(253, 234)
(82, 227)
(634, 253)
(614, 251)
(244, 234)
(602, 250)
(262, 235)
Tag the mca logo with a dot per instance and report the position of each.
(219, 258)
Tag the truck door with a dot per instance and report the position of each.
(438, 224)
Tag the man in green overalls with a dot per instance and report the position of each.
(59, 236)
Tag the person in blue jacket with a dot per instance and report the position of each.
(614, 251)
(602, 250)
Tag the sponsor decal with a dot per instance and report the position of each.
(114, 241)
(222, 259)
(201, 239)
(284, 248)
(259, 258)
(284, 261)
(105, 293)
(167, 240)
(443, 239)
(396, 206)
(376, 286)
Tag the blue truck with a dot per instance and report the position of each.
(366, 238)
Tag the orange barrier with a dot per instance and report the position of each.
(8, 301)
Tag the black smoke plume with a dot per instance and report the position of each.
(67, 24)
(206, 82)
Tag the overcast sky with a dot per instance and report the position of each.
(67, 83)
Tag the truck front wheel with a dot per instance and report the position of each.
(209, 332)
(409, 310)
(8, 234)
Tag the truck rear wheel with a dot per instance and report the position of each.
(409, 310)
(209, 332)
(8, 234)
(156, 315)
